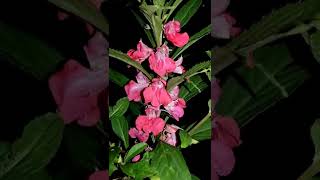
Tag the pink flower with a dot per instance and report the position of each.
(222, 23)
(179, 69)
(149, 124)
(156, 93)
(134, 89)
(99, 175)
(169, 135)
(141, 54)
(226, 136)
(176, 106)
(96, 51)
(160, 62)
(75, 90)
(172, 33)
(142, 136)
(136, 158)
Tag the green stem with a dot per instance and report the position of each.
(311, 171)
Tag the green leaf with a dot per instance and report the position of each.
(185, 139)
(174, 5)
(4, 148)
(118, 78)
(135, 150)
(189, 90)
(139, 170)
(202, 131)
(119, 109)
(82, 146)
(193, 39)
(126, 59)
(186, 12)
(31, 54)
(113, 154)
(169, 163)
(315, 45)
(120, 128)
(86, 10)
(39, 142)
(173, 82)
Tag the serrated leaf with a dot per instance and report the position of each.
(173, 82)
(120, 128)
(193, 39)
(186, 12)
(86, 10)
(315, 45)
(126, 59)
(119, 109)
(188, 90)
(185, 139)
(169, 163)
(39, 142)
(118, 78)
(135, 150)
(31, 54)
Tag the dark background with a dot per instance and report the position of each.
(277, 143)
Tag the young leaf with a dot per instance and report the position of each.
(119, 109)
(193, 39)
(39, 142)
(120, 128)
(169, 163)
(86, 10)
(186, 12)
(135, 150)
(31, 54)
(126, 59)
(185, 139)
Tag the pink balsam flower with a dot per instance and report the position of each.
(99, 175)
(169, 134)
(134, 89)
(176, 106)
(136, 158)
(222, 23)
(156, 94)
(149, 124)
(75, 90)
(172, 33)
(179, 68)
(160, 62)
(140, 135)
(141, 54)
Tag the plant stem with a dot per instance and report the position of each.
(311, 171)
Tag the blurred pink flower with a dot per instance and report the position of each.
(169, 135)
(75, 90)
(141, 54)
(215, 91)
(134, 89)
(156, 94)
(222, 23)
(172, 33)
(160, 62)
(99, 175)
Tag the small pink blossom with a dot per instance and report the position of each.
(99, 175)
(134, 89)
(136, 158)
(150, 125)
(156, 93)
(75, 90)
(160, 62)
(179, 69)
(169, 135)
(141, 54)
(142, 136)
(172, 33)
(176, 106)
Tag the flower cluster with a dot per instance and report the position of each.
(153, 92)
